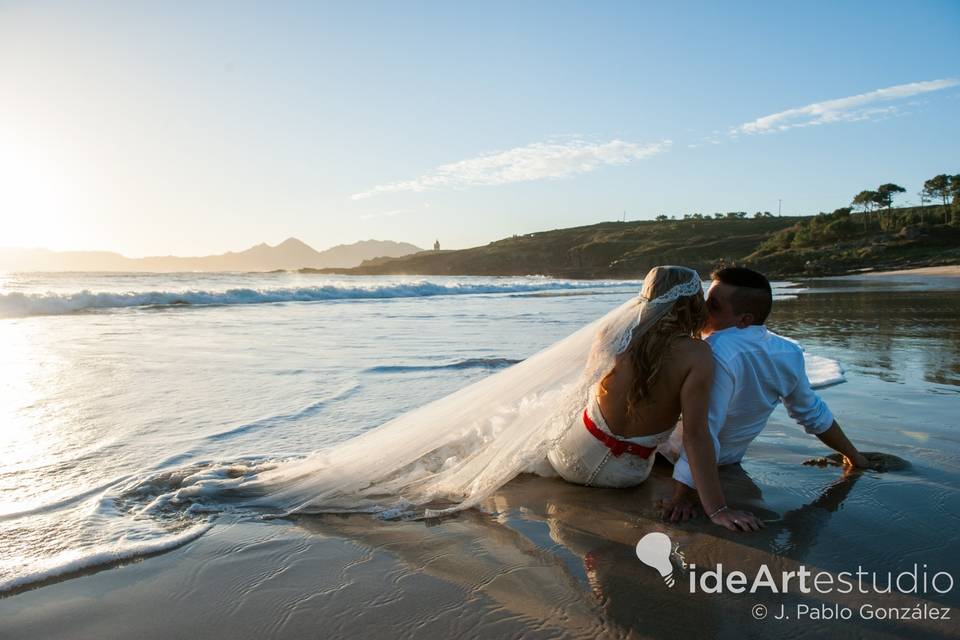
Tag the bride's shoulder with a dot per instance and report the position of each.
(689, 342)
(695, 360)
(693, 348)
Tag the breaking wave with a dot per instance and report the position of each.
(18, 304)
(468, 363)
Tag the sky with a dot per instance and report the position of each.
(194, 128)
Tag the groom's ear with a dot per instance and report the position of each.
(745, 320)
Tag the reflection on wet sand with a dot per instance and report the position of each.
(563, 557)
(491, 566)
(633, 595)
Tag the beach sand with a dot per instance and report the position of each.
(547, 559)
(948, 270)
(556, 561)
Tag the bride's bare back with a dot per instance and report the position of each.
(661, 408)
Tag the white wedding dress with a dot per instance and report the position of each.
(592, 455)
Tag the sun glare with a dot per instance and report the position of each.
(22, 444)
(34, 199)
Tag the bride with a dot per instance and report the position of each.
(591, 408)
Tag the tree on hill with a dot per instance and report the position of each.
(955, 192)
(885, 193)
(938, 187)
(865, 200)
(881, 198)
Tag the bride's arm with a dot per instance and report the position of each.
(700, 446)
(698, 442)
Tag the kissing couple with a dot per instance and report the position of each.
(712, 361)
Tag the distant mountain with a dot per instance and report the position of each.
(358, 252)
(289, 254)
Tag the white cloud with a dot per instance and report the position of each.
(537, 161)
(842, 109)
(383, 214)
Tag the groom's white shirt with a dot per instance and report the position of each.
(755, 370)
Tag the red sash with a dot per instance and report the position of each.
(616, 446)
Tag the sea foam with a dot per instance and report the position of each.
(17, 304)
(823, 371)
(73, 561)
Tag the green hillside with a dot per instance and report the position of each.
(827, 244)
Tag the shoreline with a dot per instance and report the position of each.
(949, 271)
(945, 270)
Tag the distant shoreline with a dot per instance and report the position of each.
(952, 271)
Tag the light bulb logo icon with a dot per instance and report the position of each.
(654, 551)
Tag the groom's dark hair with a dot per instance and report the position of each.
(752, 293)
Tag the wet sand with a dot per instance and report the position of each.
(555, 561)
(546, 559)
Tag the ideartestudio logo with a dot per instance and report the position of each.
(654, 550)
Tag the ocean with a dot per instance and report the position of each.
(116, 387)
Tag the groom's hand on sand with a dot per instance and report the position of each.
(857, 461)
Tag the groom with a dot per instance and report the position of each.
(754, 371)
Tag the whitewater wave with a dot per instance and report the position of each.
(59, 503)
(17, 304)
(468, 363)
(75, 561)
(286, 418)
(149, 515)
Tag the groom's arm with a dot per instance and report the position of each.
(810, 411)
(836, 439)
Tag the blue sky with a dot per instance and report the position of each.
(196, 128)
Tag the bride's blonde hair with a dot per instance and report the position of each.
(648, 351)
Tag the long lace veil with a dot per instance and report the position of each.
(452, 453)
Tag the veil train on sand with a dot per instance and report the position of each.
(451, 453)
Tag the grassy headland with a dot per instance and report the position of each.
(827, 244)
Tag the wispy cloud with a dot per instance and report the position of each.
(537, 161)
(383, 214)
(858, 107)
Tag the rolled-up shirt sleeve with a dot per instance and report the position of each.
(720, 396)
(682, 473)
(805, 406)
